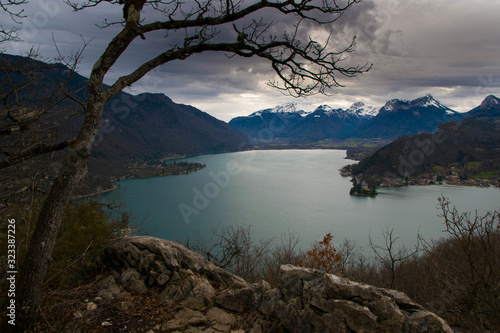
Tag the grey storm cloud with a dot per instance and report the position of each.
(447, 48)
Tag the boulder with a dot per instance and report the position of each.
(210, 299)
(158, 259)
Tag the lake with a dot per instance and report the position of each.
(282, 191)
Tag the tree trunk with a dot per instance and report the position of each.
(34, 269)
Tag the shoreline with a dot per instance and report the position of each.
(424, 185)
(150, 172)
(128, 177)
(115, 187)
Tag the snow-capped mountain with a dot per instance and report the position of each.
(489, 109)
(363, 110)
(477, 138)
(490, 101)
(396, 118)
(304, 121)
(358, 109)
(406, 118)
(396, 105)
(297, 108)
(328, 111)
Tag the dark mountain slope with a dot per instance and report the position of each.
(151, 126)
(488, 110)
(133, 128)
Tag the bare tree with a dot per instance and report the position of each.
(286, 251)
(389, 257)
(465, 268)
(303, 66)
(232, 248)
(349, 252)
(225, 246)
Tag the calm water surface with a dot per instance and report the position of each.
(300, 191)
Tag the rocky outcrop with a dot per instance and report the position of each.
(210, 299)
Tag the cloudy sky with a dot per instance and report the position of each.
(447, 48)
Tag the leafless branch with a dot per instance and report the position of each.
(11, 7)
(392, 258)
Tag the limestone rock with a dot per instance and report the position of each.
(185, 318)
(109, 288)
(217, 315)
(243, 299)
(212, 300)
(158, 259)
(189, 290)
(316, 301)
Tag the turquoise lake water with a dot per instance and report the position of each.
(300, 191)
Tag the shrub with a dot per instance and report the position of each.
(84, 232)
(464, 269)
(324, 256)
(232, 248)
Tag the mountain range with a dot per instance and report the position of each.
(396, 118)
(294, 123)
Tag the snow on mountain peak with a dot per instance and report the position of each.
(285, 108)
(298, 108)
(329, 111)
(429, 100)
(391, 105)
(490, 101)
(363, 110)
(357, 109)
(426, 101)
(325, 108)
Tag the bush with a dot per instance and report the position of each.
(83, 234)
(84, 231)
(323, 256)
(232, 248)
